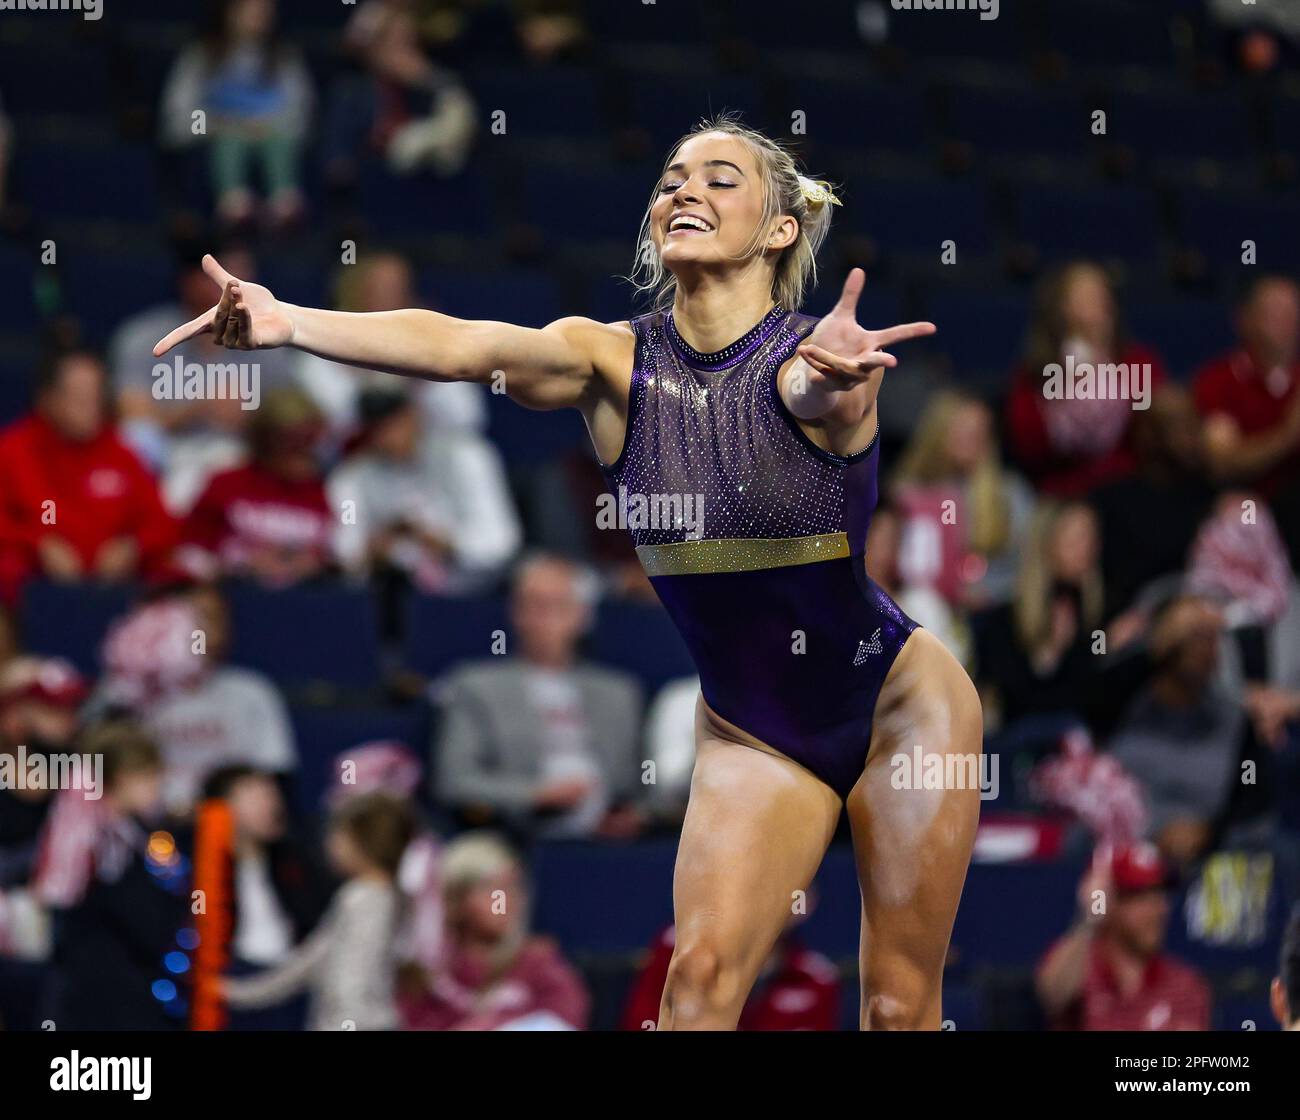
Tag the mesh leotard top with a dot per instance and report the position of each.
(754, 538)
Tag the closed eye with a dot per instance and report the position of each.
(668, 188)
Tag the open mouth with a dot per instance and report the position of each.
(688, 224)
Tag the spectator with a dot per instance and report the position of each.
(964, 516)
(1285, 991)
(498, 976)
(187, 440)
(279, 893)
(384, 281)
(402, 104)
(1071, 444)
(1250, 398)
(270, 520)
(797, 989)
(920, 602)
(393, 768)
(1183, 735)
(1110, 972)
(115, 945)
(543, 740)
(1036, 653)
(406, 505)
(256, 95)
(204, 713)
(1149, 519)
(77, 503)
(39, 700)
(348, 965)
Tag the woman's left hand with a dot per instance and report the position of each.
(841, 353)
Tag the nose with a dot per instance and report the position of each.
(683, 195)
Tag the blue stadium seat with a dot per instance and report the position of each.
(108, 181)
(929, 34)
(640, 639)
(70, 620)
(17, 273)
(1108, 32)
(1183, 127)
(1186, 333)
(573, 205)
(440, 633)
(322, 733)
(524, 436)
(1106, 222)
(980, 331)
(669, 106)
(1016, 121)
(1216, 225)
(917, 216)
(567, 102)
(307, 635)
(103, 290)
(426, 204)
(874, 117)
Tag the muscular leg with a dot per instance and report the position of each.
(913, 845)
(755, 832)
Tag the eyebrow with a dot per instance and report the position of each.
(709, 163)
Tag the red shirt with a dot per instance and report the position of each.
(538, 982)
(1171, 997)
(249, 512)
(801, 994)
(1233, 386)
(1063, 474)
(86, 493)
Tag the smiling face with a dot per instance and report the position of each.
(710, 201)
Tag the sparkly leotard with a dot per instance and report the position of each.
(768, 587)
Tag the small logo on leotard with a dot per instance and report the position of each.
(866, 649)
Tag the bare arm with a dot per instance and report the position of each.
(1234, 456)
(554, 367)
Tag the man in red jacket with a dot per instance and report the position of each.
(75, 502)
(1250, 398)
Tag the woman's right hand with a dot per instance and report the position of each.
(246, 317)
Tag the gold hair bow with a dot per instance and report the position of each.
(817, 192)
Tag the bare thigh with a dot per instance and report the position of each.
(913, 831)
(756, 829)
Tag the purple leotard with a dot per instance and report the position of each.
(769, 588)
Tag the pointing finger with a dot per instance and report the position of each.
(187, 330)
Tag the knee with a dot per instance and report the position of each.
(891, 1008)
(701, 981)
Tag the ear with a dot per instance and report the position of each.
(783, 233)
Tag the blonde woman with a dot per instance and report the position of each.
(965, 515)
(764, 420)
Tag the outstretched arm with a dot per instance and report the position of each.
(553, 367)
(835, 377)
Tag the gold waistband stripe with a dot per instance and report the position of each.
(741, 554)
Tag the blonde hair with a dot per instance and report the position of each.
(1032, 606)
(466, 862)
(926, 462)
(785, 191)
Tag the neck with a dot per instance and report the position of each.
(712, 311)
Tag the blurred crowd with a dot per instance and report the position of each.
(1120, 582)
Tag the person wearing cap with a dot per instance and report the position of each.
(77, 503)
(435, 510)
(268, 520)
(1110, 972)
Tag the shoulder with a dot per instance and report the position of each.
(591, 336)
(248, 683)
(481, 676)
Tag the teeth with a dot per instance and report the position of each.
(688, 221)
